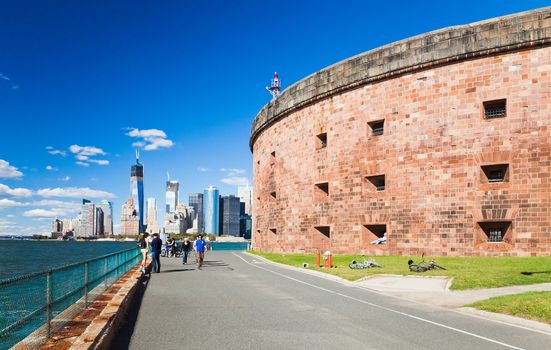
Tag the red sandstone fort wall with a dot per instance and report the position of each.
(436, 198)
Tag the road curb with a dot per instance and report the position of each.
(507, 319)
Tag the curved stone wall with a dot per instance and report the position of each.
(463, 158)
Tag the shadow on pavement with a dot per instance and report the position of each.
(121, 340)
(176, 270)
(214, 264)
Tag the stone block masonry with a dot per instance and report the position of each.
(440, 143)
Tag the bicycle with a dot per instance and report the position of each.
(424, 266)
(366, 264)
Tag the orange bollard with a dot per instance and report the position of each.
(327, 258)
(318, 259)
(330, 260)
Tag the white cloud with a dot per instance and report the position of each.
(151, 139)
(57, 204)
(233, 171)
(15, 192)
(54, 151)
(99, 161)
(235, 180)
(86, 150)
(51, 168)
(8, 171)
(4, 203)
(146, 133)
(74, 192)
(65, 178)
(84, 155)
(202, 169)
(44, 213)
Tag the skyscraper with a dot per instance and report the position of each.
(230, 217)
(172, 188)
(210, 210)
(99, 227)
(87, 218)
(107, 208)
(196, 202)
(136, 188)
(130, 221)
(245, 193)
(152, 225)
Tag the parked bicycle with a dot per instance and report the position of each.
(423, 265)
(366, 264)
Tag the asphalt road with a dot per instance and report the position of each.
(239, 302)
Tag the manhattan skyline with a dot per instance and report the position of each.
(82, 87)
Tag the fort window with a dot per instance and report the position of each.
(377, 127)
(377, 182)
(273, 154)
(495, 109)
(495, 231)
(496, 172)
(273, 230)
(324, 230)
(375, 234)
(321, 140)
(273, 194)
(322, 188)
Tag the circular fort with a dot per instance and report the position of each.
(436, 144)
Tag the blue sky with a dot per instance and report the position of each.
(83, 83)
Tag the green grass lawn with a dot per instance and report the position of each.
(467, 272)
(532, 305)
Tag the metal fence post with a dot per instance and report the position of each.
(106, 267)
(86, 284)
(49, 303)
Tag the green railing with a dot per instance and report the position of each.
(34, 306)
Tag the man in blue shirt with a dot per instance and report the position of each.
(156, 246)
(200, 245)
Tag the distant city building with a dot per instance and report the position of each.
(179, 221)
(152, 225)
(196, 202)
(87, 220)
(172, 189)
(136, 188)
(245, 193)
(230, 208)
(107, 208)
(245, 225)
(211, 207)
(57, 228)
(99, 224)
(130, 221)
(70, 226)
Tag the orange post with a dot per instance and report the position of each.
(318, 259)
(327, 258)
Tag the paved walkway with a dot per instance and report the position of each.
(241, 302)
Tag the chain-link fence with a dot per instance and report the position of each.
(36, 305)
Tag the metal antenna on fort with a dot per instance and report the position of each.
(275, 88)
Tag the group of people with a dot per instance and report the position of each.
(155, 244)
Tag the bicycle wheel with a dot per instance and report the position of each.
(417, 268)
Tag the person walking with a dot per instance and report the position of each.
(186, 247)
(200, 246)
(143, 244)
(156, 246)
